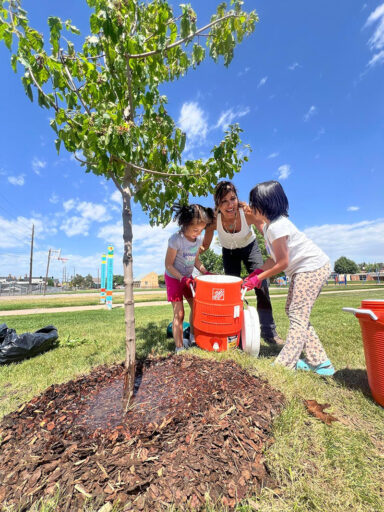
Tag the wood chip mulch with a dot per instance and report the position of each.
(196, 427)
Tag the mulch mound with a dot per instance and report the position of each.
(196, 427)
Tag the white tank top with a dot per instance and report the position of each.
(235, 240)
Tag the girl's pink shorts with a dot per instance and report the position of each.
(176, 290)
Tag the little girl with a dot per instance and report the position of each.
(182, 256)
(307, 267)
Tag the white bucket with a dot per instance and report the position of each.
(250, 332)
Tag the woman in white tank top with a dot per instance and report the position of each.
(233, 224)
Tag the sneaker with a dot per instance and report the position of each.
(192, 340)
(186, 343)
(326, 368)
(273, 340)
(179, 349)
(302, 365)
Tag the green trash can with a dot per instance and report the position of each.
(186, 329)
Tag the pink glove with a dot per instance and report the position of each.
(253, 281)
(187, 281)
(256, 272)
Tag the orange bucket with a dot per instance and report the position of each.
(371, 319)
(217, 312)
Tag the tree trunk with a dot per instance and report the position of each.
(130, 338)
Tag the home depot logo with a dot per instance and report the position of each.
(218, 294)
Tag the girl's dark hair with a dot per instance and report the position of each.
(221, 190)
(192, 214)
(269, 199)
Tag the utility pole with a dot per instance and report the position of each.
(46, 274)
(31, 258)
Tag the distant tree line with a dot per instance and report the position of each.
(344, 265)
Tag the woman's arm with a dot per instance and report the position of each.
(208, 235)
(169, 261)
(199, 265)
(270, 267)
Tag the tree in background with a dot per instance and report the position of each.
(77, 281)
(370, 267)
(107, 108)
(345, 266)
(161, 280)
(261, 243)
(118, 281)
(212, 262)
(88, 281)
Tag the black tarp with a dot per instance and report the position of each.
(15, 347)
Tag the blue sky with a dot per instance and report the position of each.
(307, 89)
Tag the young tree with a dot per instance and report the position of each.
(107, 107)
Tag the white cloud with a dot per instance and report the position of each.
(80, 224)
(320, 133)
(311, 112)
(75, 226)
(17, 180)
(17, 233)
(69, 205)
(272, 155)
(228, 117)
(293, 66)
(284, 171)
(192, 121)
(353, 208)
(263, 81)
(116, 197)
(376, 41)
(149, 248)
(378, 58)
(92, 211)
(244, 72)
(37, 165)
(54, 199)
(362, 241)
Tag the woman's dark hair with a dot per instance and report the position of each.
(221, 190)
(269, 199)
(192, 214)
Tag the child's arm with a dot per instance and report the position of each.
(169, 261)
(270, 267)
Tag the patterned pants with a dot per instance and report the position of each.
(304, 289)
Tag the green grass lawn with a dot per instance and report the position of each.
(317, 467)
(62, 300)
(68, 300)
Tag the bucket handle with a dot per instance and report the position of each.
(244, 291)
(192, 290)
(367, 312)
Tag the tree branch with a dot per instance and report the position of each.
(74, 88)
(53, 104)
(138, 168)
(181, 41)
(116, 182)
(130, 97)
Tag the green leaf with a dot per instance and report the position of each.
(58, 144)
(14, 62)
(7, 36)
